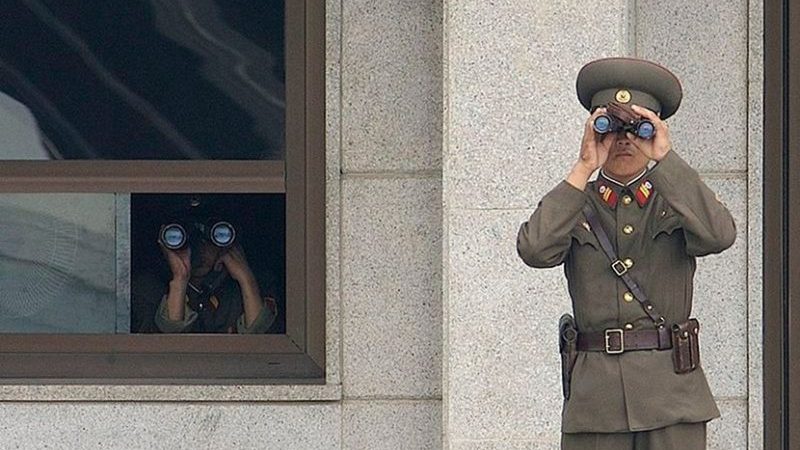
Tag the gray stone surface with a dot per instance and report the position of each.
(720, 300)
(333, 188)
(503, 369)
(705, 44)
(755, 183)
(546, 444)
(391, 425)
(391, 287)
(514, 121)
(168, 393)
(730, 431)
(392, 85)
(169, 426)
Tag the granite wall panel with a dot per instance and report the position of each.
(708, 52)
(391, 287)
(392, 85)
(720, 299)
(504, 373)
(392, 424)
(514, 121)
(170, 426)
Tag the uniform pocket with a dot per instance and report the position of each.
(667, 222)
(584, 236)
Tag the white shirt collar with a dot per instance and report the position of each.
(634, 180)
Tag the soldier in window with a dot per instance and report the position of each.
(213, 289)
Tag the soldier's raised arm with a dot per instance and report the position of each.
(544, 240)
(707, 224)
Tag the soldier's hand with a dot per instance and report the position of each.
(180, 262)
(658, 147)
(236, 263)
(594, 146)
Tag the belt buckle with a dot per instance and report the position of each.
(609, 333)
(619, 268)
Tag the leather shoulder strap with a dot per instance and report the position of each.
(619, 268)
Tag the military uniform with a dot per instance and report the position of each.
(224, 314)
(658, 223)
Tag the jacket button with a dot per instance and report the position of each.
(628, 297)
(626, 200)
(628, 263)
(627, 229)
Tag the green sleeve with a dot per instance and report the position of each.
(262, 322)
(544, 240)
(707, 223)
(173, 326)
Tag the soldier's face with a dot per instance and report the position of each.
(624, 160)
(206, 260)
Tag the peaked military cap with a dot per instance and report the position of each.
(629, 80)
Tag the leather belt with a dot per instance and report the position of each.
(617, 340)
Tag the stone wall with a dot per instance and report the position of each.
(391, 223)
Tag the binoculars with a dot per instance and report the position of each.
(176, 235)
(622, 118)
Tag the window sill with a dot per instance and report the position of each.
(169, 393)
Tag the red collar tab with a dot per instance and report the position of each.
(644, 192)
(607, 194)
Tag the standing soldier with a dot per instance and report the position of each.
(628, 242)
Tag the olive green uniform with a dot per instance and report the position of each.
(225, 314)
(683, 436)
(659, 237)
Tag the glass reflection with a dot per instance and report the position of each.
(19, 134)
(57, 259)
(157, 79)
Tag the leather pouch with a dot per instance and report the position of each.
(568, 347)
(685, 346)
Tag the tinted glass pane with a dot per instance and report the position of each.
(218, 241)
(199, 79)
(57, 263)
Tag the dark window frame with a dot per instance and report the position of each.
(297, 357)
(781, 296)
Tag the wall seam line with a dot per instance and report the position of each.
(341, 225)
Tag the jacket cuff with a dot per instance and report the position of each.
(173, 326)
(262, 322)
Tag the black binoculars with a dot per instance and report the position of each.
(621, 118)
(176, 235)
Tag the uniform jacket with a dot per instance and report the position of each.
(659, 223)
(225, 314)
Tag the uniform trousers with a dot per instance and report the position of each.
(683, 436)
